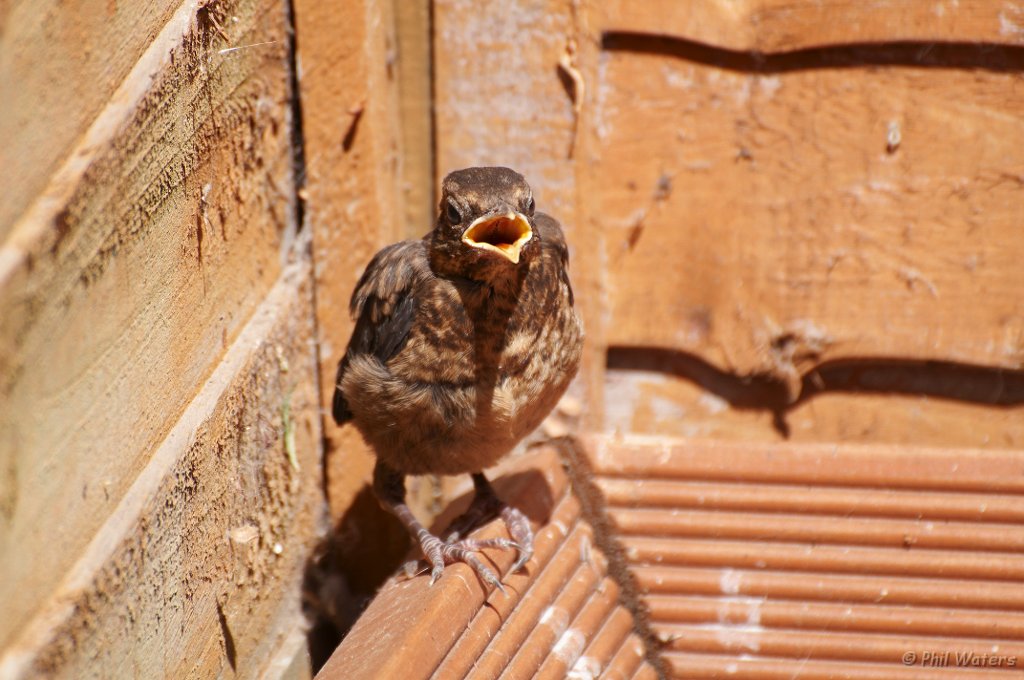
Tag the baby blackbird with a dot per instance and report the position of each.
(464, 341)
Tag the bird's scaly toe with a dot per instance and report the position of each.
(440, 553)
(522, 535)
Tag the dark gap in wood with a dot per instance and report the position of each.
(353, 127)
(346, 569)
(298, 139)
(939, 55)
(952, 381)
(229, 640)
(594, 511)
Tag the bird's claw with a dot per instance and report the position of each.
(440, 553)
(524, 557)
(522, 535)
(436, 572)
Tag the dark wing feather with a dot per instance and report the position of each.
(553, 239)
(383, 306)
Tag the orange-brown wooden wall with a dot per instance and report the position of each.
(788, 221)
(160, 467)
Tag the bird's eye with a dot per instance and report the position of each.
(531, 205)
(454, 216)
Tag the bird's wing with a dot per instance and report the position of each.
(383, 306)
(553, 241)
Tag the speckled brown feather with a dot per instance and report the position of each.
(456, 357)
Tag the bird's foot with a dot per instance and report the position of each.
(440, 553)
(518, 526)
(390, 489)
(484, 506)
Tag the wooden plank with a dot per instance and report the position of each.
(783, 25)
(415, 84)
(768, 216)
(502, 96)
(58, 69)
(124, 285)
(350, 130)
(197, 571)
(888, 403)
(458, 628)
(857, 555)
(880, 466)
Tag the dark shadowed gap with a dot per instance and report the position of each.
(298, 139)
(937, 55)
(229, 640)
(345, 570)
(999, 387)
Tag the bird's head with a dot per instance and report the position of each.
(485, 224)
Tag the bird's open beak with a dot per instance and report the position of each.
(502, 234)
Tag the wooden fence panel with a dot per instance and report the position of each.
(124, 496)
(763, 196)
(819, 244)
(771, 215)
(58, 70)
(351, 188)
(783, 25)
(197, 570)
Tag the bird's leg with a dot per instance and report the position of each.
(485, 505)
(389, 486)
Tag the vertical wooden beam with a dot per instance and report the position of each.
(349, 119)
(352, 127)
(591, 270)
(415, 93)
(505, 95)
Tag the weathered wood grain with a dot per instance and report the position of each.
(351, 136)
(782, 25)
(502, 96)
(888, 404)
(851, 193)
(58, 70)
(124, 284)
(414, 70)
(197, 570)
(499, 102)
(771, 215)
